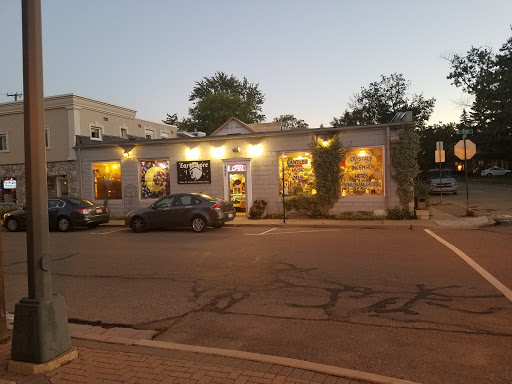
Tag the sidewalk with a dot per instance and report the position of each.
(124, 355)
(445, 215)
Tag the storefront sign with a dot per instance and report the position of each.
(10, 184)
(194, 172)
(237, 168)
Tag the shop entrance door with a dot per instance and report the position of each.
(237, 194)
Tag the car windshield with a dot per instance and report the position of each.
(80, 202)
(435, 174)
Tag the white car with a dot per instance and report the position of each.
(495, 171)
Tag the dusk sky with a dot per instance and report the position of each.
(308, 57)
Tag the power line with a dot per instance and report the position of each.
(14, 95)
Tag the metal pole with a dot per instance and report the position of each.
(284, 205)
(466, 175)
(440, 181)
(40, 330)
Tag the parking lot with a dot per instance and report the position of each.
(396, 302)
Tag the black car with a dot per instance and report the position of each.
(64, 213)
(182, 210)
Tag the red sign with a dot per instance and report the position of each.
(236, 168)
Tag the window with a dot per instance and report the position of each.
(124, 133)
(154, 178)
(362, 172)
(47, 137)
(107, 180)
(96, 133)
(149, 133)
(105, 119)
(166, 202)
(4, 147)
(298, 174)
(164, 134)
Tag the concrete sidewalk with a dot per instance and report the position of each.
(125, 355)
(446, 216)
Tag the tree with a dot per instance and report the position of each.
(429, 136)
(220, 97)
(171, 120)
(487, 76)
(380, 101)
(291, 122)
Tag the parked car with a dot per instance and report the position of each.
(495, 171)
(442, 181)
(64, 213)
(182, 210)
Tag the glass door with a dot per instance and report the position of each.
(237, 191)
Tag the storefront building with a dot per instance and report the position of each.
(240, 167)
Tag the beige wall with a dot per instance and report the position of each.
(264, 167)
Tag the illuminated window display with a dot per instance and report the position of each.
(107, 180)
(298, 174)
(362, 172)
(154, 178)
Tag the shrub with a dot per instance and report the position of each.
(258, 209)
(360, 215)
(310, 205)
(398, 213)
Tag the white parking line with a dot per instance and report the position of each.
(486, 275)
(106, 233)
(281, 233)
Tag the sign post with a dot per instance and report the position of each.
(465, 149)
(440, 158)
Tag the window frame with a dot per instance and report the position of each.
(6, 135)
(152, 133)
(166, 133)
(121, 130)
(100, 131)
(47, 138)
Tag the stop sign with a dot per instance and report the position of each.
(470, 149)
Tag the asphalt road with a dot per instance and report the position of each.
(395, 302)
(485, 198)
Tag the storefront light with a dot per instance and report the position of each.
(362, 153)
(218, 152)
(325, 143)
(255, 150)
(193, 153)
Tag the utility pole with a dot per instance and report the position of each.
(40, 331)
(15, 95)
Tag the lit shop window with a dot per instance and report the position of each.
(298, 174)
(154, 178)
(107, 180)
(362, 172)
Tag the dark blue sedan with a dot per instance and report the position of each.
(64, 213)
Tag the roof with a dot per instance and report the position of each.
(266, 127)
(230, 120)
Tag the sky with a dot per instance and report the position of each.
(308, 57)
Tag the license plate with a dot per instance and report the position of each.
(230, 215)
(98, 210)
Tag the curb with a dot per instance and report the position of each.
(283, 361)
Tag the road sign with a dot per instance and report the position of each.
(470, 149)
(440, 157)
(464, 131)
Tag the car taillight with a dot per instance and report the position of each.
(83, 210)
(106, 209)
(216, 206)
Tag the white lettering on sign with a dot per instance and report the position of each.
(362, 184)
(237, 168)
(195, 164)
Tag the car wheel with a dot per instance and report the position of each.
(138, 225)
(198, 224)
(489, 175)
(63, 224)
(507, 174)
(455, 192)
(218, 225)
(13, 225)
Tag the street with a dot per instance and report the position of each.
(396, 302)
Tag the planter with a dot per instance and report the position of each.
(422, 214)
(421, 203)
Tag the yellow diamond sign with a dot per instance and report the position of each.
(470, 149)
